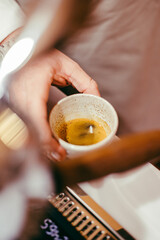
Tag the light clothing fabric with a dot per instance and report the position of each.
(119, 47)
(11, 17)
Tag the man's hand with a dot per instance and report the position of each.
(29, 92)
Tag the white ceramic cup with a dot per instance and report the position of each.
(83, 106)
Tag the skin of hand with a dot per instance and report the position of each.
(29, 92)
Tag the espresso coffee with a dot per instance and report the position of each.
(83, 131)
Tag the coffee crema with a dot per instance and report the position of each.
(83, 131)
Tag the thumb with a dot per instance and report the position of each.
(50, 146)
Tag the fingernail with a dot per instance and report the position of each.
(55, 156)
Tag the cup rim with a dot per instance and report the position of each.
(92, 146)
